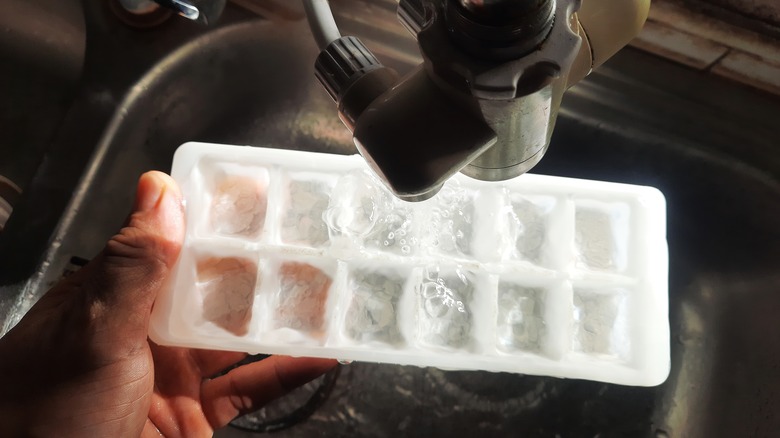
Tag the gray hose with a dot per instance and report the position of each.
(323, 25)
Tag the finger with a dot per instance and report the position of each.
(125, 278)
(211, 362)
(207, 363)
(150, 430)
(247, 388)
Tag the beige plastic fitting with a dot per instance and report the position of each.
(605, 27)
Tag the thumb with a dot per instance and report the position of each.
(125, 278)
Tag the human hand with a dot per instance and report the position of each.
(80, 363)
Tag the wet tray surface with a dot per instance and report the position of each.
(308, 254)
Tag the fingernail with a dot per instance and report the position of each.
(169, 208)
(151, 191)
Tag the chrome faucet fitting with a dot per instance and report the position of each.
(202, 11)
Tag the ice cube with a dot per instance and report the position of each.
(372, 311)
(364, 211)
(598, 324)
(452, 221)
(445, 315)
(520, 317)
(303, 221)
(526, 223)
(601, 236)
(394, 232)
(301, 298)
(227, 286)
(238, 206)
(356, 205)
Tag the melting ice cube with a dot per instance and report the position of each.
(303, 292)
(445, 314)
(599, 323)
(372, 312)
(238, 206)
(601, 236)
(526, 227)
(303, 221)
(227, 286)
(452, 221)
(520, 317)
(356, 205)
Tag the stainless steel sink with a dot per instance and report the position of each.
(712, 147)
(42, 51)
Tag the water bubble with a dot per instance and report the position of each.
(406, 249)
(391, 235)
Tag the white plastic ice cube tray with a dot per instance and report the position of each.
(308, 254)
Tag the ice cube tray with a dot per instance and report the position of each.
(308, 254)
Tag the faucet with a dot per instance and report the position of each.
(485, 99)
(202, 11)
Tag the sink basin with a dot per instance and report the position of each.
(709, 145)
(42, 50)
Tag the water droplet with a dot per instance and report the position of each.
(391, 235)
(344, 361)
(405, 249)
